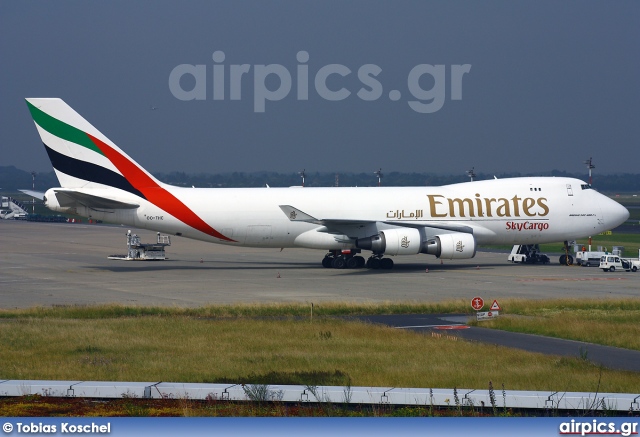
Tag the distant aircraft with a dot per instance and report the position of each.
(98, 180)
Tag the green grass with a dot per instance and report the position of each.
(264, 344)
(630, 242)
(238, 310)
(606, 322)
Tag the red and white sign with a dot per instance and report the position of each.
(495, 306)
(486, 315)
(477, 303)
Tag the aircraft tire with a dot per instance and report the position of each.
(566, 260)
(386, 263)
(327, 262)
(352, 263)
(339, 263)
(374, 263)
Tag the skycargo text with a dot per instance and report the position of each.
(527, 226)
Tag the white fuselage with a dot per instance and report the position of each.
(499, 211)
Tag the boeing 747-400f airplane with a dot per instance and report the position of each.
(98, 180)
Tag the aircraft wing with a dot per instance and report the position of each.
(446, 226)
(342, 225)
(295, 215)
(70, 199)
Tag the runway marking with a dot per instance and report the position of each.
(570, 279)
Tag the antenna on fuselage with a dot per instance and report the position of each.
(590, 166)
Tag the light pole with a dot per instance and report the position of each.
(380, 175)
(301, 173)
(590, 166)
(33, 187)
(471, 173)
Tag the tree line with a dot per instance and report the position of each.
(12, 179)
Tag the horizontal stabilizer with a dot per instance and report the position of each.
(36, 194)
(71, 199)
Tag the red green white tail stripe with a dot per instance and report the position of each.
(84, 158)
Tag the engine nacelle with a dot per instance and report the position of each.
(456, 245)
(403, 241)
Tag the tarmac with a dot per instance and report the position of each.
(44, 264)
(50, 264)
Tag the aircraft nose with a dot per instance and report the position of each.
(615, 214)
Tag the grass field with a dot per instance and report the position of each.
(610, 323)
(256, 344)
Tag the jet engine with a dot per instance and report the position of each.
(456, 245)
(402, 241)
(408, 241)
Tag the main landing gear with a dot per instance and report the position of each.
(351, 260)
(376, 261)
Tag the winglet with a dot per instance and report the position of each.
(295, 215)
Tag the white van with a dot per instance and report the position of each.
(612, 262)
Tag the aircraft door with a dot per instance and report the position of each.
(258, 235)
(569, 190)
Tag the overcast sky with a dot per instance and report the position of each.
(517, 86)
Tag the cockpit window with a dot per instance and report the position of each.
(585, 186)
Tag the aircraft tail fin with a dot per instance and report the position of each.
(81, 155)
(83, 158)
